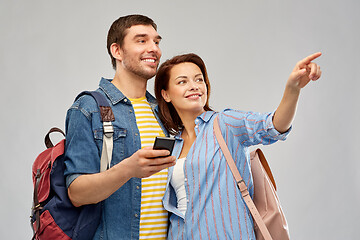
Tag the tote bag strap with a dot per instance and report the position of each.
(240, 181)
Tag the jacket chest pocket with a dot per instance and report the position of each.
(119, 139)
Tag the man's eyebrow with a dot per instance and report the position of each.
(140, 35)
(145, 35)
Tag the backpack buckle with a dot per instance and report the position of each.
(108, 129)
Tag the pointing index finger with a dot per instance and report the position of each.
(310, 58)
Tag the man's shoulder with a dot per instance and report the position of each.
(85, 102)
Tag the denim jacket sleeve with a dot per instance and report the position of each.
(81, 151)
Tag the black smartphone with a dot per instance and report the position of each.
(164, 143)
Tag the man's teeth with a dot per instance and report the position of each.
(149, 60)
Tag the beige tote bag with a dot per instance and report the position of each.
(265, 208)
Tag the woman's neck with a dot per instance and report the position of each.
(188, 134)
(188, 121)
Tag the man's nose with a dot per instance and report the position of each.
(153, 47)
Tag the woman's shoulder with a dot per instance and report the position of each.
(232, 116)
(223, 115)
(230, 113)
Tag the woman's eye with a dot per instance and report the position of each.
(200, 80)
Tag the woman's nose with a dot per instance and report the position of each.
(194, 86)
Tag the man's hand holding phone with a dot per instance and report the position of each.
(147, 161)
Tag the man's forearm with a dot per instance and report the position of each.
(94, 188)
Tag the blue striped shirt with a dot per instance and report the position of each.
(215, 208)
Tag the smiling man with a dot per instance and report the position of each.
(132, 188)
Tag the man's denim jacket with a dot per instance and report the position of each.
(84, 133)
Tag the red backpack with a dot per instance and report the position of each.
(53, 215)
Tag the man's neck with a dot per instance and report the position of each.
(130, 85)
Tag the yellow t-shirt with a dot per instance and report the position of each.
(153, 216)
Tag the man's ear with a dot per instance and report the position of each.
(165, 95)
(116, 51)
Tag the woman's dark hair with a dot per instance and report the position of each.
(168, 114)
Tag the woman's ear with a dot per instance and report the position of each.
(165, 95)
(116, 51)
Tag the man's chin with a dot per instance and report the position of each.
(151, 73)
(147, 75)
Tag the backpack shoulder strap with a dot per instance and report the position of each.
(106, 112)
(107, 117)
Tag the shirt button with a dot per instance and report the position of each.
(137, 187)
(136, 134)
(125, 100)
(136, 215)
(187, 200)
(185, 179)
(131, 111)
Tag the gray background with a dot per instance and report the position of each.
(52, 50)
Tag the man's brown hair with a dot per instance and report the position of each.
(118, 30)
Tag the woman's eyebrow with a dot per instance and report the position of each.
(180, 77)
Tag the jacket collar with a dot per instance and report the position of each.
(116, 96)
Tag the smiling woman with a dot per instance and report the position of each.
(196, 79)
(201, 195)
(186, 92)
